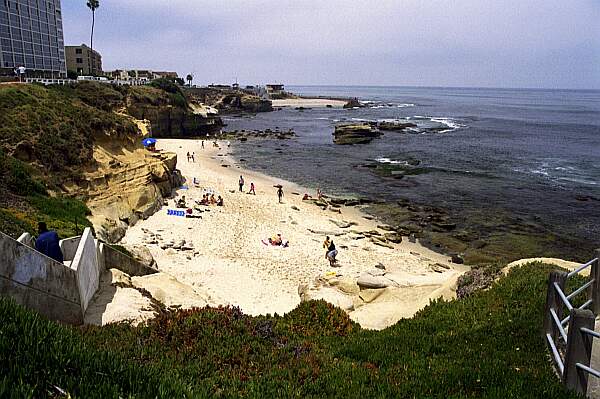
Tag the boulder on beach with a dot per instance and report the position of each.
(358, 133)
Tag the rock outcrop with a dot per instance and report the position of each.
(127, 183)
(170, 121)
(362, 133)
(229, 100)
(379, 297)
(353, 103)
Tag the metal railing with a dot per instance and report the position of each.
(570, 338)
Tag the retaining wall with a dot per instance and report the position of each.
(38, 282)
(85, 264)
(68, 246)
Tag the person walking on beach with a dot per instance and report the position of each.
(252, 189)
(193, 157)
(188, 156)
(280, 193)
(241, 183)
(202, 144)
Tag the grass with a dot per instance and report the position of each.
(488, 345)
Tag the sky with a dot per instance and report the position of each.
(464, 43)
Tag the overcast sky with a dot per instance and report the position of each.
(484, 43)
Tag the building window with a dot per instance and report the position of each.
(80, 60)
(78, 51)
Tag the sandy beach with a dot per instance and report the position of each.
(234, 266)
(308, 103)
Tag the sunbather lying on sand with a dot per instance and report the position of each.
(277, 241)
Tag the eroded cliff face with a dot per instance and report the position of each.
(229, 100)
(170, 121)
(126, 184)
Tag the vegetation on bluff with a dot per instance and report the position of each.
(487, 345)
(46, 140)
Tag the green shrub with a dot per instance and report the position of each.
(488, 345)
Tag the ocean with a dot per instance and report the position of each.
(533, 154)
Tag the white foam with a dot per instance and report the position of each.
(390, 161)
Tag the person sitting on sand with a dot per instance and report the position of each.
(276, 240)
(213, 200)
(204, 199)
(306, 197)
(220, 201)
(181, 202)
(331, 254)
(252, 189)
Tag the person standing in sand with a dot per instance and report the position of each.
(202, 144)
(241, 183)
(326, 245)
(280, 193)
(252, 189)
(188, 156)
(193, 156)
(331, 254)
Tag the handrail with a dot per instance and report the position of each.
(581, 268)
(557, 357)
(588, 369)
(562, 296)
(580, 289)
(576, 329)
(590, 332)
(559, 325)
(582, 307)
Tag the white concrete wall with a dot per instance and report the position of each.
(38, 282)
(27, 239)
(68, 246)
(85, 263)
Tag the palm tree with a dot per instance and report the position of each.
(93, 5)
(190, 79)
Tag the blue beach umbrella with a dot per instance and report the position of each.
(148, 141)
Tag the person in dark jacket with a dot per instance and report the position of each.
(47, 243)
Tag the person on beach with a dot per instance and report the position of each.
(280, 193)
(220, 201)
(326, 245)
(276, 240)
(202, 144)
(319, 193)
(48, 243)
(188, 156)
(213, 200)
(193, 156)
(331, 254)
(252, 189)
(241, 183)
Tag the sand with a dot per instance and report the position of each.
(231, 265)
(308, 103)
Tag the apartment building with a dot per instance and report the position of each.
(83, 60)
(31, 36)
